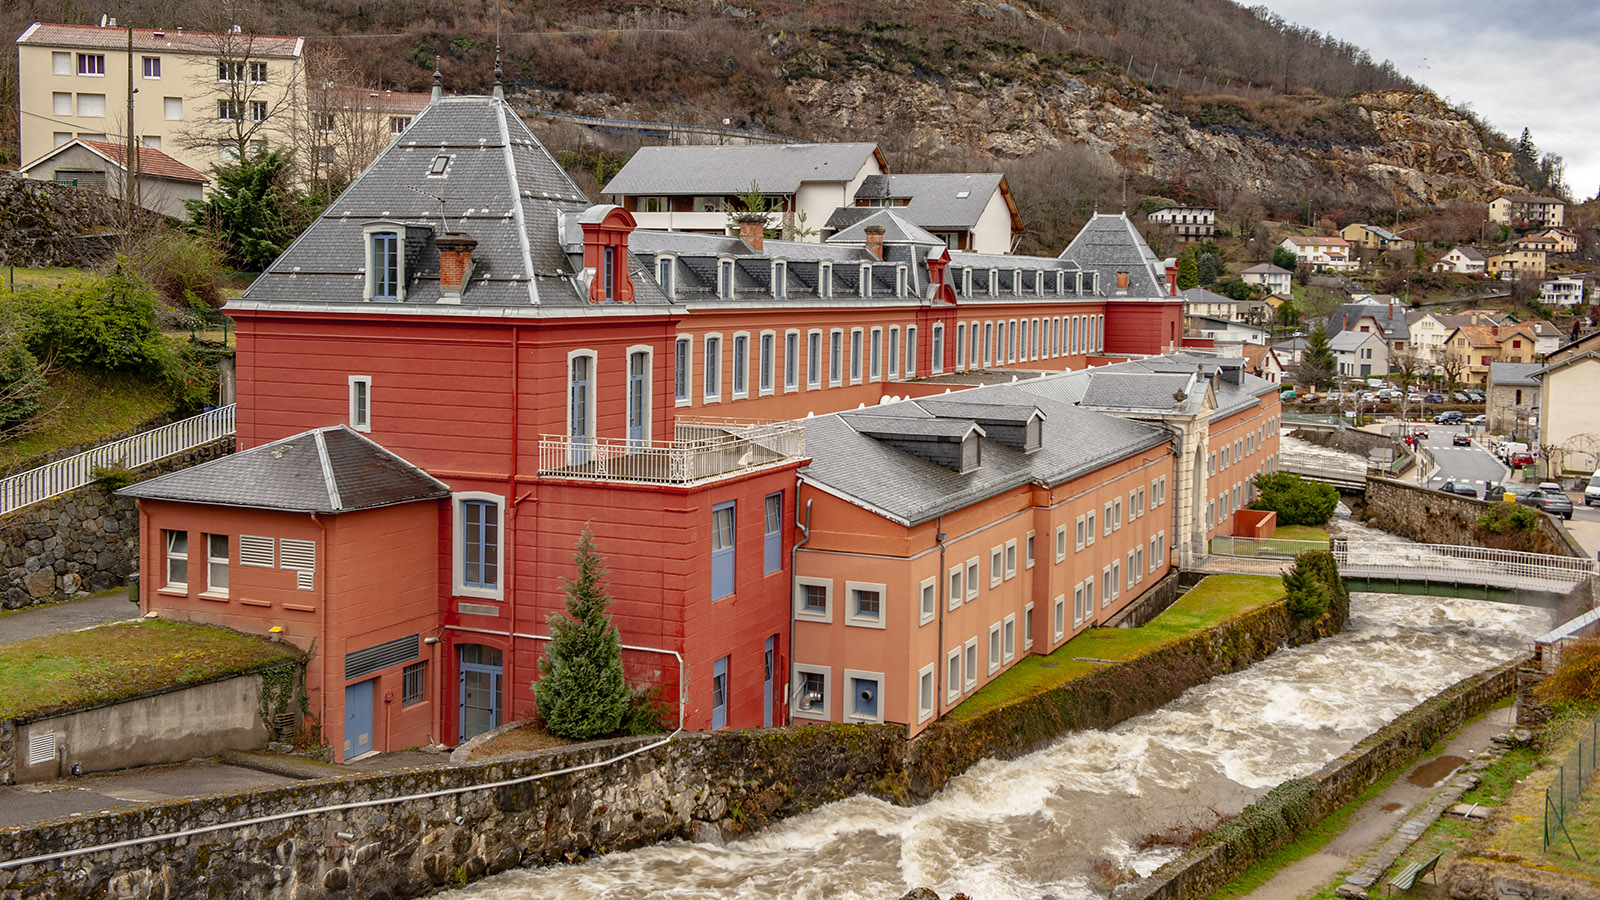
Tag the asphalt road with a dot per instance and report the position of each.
(1472, 464)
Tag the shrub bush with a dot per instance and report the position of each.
(1295, 500)
(104, 321)
(22, 378)
(1313, 585)
(182, 268)
(1508, 518)
(1577, 677)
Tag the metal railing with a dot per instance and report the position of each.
(1283, 548)
(1455, 564)
(1572, 778)
(63, 475)
(702, 449)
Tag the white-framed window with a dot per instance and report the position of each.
(865, 282)
(875, 364)
(713, 368)
(928, 595)
(969, 652)
(667, 275)
(478, 545)
(911, 351)
(217, 564)
(682, 369)
(258, 73)
(865, 604)
(1133, 567)
(1027, 551)
(1116, 582)
(855, 356)
(228, 109)
(813, 360)
(1078, 526)
(1088, 598)
(835, 358)
(258, 110)
(741, 365)
(725, 274)
(988, 344)
(1061, 540)
(1105, 585)
(1027, 626)
(386, 261)
(994, 648)
(935, 350)
(582, 377)
(894, 351)
(966, 281)
(780, 279)
(1133, 505)
(1059, 618)
(1141, 504)
(1116, 514)
(961, 346)
(925, 693)
(1008, 638)
(1077, 606)
(791, 360)
(994, 282)
(172, 109)
(1024, 340)
(361, 402)
(825, 281)
(863, 700)
(996, 565)
(900, 280)
(1106, 524)
(1161, 549)
(1089, 531)
(952, 676)
(767, 362)
(92, 106)
(813, 599)
(1011, 559)
(92, 64)
(956, 591)
(811, 693)
(972, 578)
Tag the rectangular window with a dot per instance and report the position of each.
(952, 676)
(866, 605)
(855, 356)
(1106, 524)
(1089, 532)
(1116, 582)
(725, 279)
(1077, 606)
(836, 358)
(994, 648)
(680, 369)
(1011, 558)
(1059, 621)
(217, 564)
(812, 698)
(413, 681)
(722, 550)
(769, 348)
(791, 361)
(780, 280)
(1133, 568)
(91, 63)
(811, 599)
(1116, 514)
(814, 359)
(361, 402)
(911, 350)
(772, 537)
(875, 366)
(1027, 556)
(1027, 626)
(61, 103)
(1078, 526)
(996, 572)
(480, 544)
(925, 694)
(953, 598)
(385, 265)
(172, 108)
(60, 63)
(1105, 585)
(970, 652)
(825, 281)
(719, 693)
(972, 578)
(580, 409)
(713, 368)
(229, 110)
(1138, 564)
(988, 343)
(936, 351)
(929, 600)
(961, 345)
(1061, 539)
(92, 105)
(258, 113)
(741, 365)
(1008, 638)
(1024, 340)
(894, 351)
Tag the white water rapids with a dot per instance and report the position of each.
(1034, 827)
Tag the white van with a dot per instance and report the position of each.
(1591, 494)
(1507, 448)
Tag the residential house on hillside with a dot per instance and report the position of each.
(1372, 237)
(1463, 260)
(693, 188)
(1479, 346)
(1388, 319)
(1510, 265)
(1262, 362)
(1360, 354)
(1274, 279)
(1527, 212)
(1188, 223)
(1569, 418)
(1217, 329)
(1512, 397)
(1321, 252)
(650, 387)
(1566, 290)
(971, 212)
(161, 184)
(1290, 352)
(193, 92)
(1552, 241)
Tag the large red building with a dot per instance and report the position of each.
(464, 316)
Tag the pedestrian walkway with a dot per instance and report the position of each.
(71, 615)
(1387, 814)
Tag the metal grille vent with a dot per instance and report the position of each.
(41, 748)
(382, 656)
(301, 556)
(257, 551)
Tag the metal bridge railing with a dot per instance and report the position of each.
(1451, 562)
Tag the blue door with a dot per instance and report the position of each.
(578, 424)
(719, 693)
(767, 694)
(480, 690)
(637, 372)
(357, 720)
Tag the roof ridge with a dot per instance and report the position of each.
(332, 483)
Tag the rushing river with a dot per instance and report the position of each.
(1042, 826)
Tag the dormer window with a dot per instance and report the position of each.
(866, 281)
(825, 281)
(900, 281)
(780, 280)
(1038, 283)
(1016, 282)
(994, 282)
(1061, 283)
(725, 279)
(608, 274)
(385, 263)
(664, 273)
(966, 281)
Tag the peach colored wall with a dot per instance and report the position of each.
(1257, 420)
(1255, 523)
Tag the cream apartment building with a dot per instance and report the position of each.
(197, 95)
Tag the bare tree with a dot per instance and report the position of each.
(1406, 367)
(346, 124)
(257, 95)
(1451, 363)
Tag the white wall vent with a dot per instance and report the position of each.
(41, 748)
(301, 556)
(257, 551)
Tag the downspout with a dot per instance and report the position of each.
(944, 603)
(794, 555)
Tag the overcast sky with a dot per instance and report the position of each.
(1519, 63)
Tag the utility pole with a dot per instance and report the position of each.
(129, 167)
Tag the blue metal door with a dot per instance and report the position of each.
(578, 430)
(767, 694)
(636, 398)
(719, 693)
(480, 690)
(357, 720)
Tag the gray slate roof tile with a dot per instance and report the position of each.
(720, 170)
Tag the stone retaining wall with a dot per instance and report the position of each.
(81, 542)
(739, 780)
(1434, 517)
(1350, 440)
(1288, 809)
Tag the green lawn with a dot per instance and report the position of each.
(21, 277)
(1301, 533)
(83, 406)
(1211, 602)
(62, 671)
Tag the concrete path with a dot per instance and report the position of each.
(1384, 814)
(71, 615)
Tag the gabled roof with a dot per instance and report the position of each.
(500, 187)
(325, 470)
(1108, 245)
(1391, 318)
(152, 163)
(1513, 374)
(1201, 295)
(1473, 254)
(1490, 335)
(93, 37)
(895, 229)
(721, 170)
(1351, 340)
(1382, 232)
(954, 200)
(1266, 268)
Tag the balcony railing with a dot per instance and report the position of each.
(702, 449)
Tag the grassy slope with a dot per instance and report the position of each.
(65, 670)
(1215, 600)
(83, 406)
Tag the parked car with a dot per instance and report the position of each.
(1413, 397)
(1479, 419)
(1499, 491)
(1434, 398)
(1475, 396)
(1520, 459)
(1449, 417)
(1462, 397)
(1368, 397)
(1461, 439)
(1591, 494)
(1460, 488)
(1286, 394)
(1553, 502)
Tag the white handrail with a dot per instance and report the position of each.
(132, 452)
(1451, 562)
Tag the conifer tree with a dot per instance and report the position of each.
(1188, 272)
(581, 691)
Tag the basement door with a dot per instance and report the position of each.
(480, 690)
(770, 662)
(357, 719)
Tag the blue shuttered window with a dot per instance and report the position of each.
(772, 539)
(722, 550)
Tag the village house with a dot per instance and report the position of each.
(1332, 253)
(1551, 241)
(1463, 260)
(1360, 354)
(160, 183)
(1372, 237)
(1569, 419)
(1527, 212)
(1512, 397)
(1273, 279)
(1386, 318)
(1217, 329)
(1476, 347)
(1565, 290)
(970, 212)
(1510, 265)
(1188, 223)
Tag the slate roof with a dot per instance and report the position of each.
(1139, 391)
(1514, 374)
(1266, 269)
(1230, 397)
(171, 41)
(896, 228)
(1201, 295)
(501, 187)
(1109, 244)
(325, 470)
(712, 169)
(1391, 318)
(911, 490)
(953, 200)
(152, 162)
(1347, 341)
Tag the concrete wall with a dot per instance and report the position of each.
(1294, 805)
(1434, 517)
(170, 726)
(80, 542)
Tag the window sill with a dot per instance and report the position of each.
(863, 622)
(249, 602)
(176, 590)
(682, 401)
(817, 715)
(864, 720)
(213, 597)
(823, 618)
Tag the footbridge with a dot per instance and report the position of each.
(1448, 565)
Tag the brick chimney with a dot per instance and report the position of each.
(875, 240)
(753, 231)
(455, 264)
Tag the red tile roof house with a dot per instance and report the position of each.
(163, 183)
(453, 397)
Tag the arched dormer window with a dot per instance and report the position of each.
(665, 275)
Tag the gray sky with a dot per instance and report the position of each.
(1533, 63)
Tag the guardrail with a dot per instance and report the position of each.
(702, 449)
(1349, 477)
(63, 475)
(1456, 564)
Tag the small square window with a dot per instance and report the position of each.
(930, 600)
(413, 683)
(811, 599)
(811, 696)
(866, 605)
(864, 702)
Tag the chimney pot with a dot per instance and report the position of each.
(753, 231)
(875, 240)
(455, 262)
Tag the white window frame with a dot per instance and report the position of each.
(705, 344)
(1011, 559)
(824, 710)
(1077, 605)
(910, 367)
(814, 373)
(400, 254)
(1116, 514)
(733, 365)
(928, 600)
(969, 664)
(974, 577)
(900, 280)
(1105, 525)
(875, 354)
(591, 412)
(864, 288)
(801, 613)
(836, 357)
(961, 346)
(892, 351)
(458, 539)
(848, 713)
(791, 360)
(859, 621)
(688, 370)
(997, 555)
(61, 63)
(952, 688)
(1027, 626)
(955, 584)
(994, 651)
(925, 676)
(668, 284)
(360, 387)
(825, 281)
(212, 561)
(1029, 549)
(1061, 540)
(1058, 623)
(727, 277)
(1078, 528)
(780, 279)
(767, 364)
(1008, 638)
(1089, 532)
(1130, 576)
